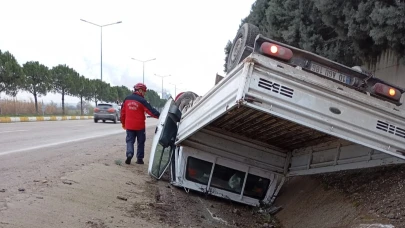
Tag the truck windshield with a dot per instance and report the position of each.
(161, 160)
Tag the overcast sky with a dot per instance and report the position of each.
(187, 38)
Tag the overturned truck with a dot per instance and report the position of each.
(279, 112)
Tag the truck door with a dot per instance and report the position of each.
(163, 141)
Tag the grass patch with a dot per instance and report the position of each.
(118, 162)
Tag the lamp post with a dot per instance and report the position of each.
(101, 30)
(143, 67)
(175, 88)
(162, 76)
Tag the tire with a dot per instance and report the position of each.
(245, 37)
(185, 99)
(115, 120)
(103, 121)
(95, 120)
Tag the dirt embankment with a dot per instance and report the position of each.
(87, 185)
(174, 207)
(359, 198)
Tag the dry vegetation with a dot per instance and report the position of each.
(12, 107)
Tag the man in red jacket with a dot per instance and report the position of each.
(133, 110)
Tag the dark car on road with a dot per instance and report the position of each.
(106, 111)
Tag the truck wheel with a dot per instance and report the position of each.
(244, 38)
(185, 99)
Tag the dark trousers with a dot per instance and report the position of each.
(140, 137)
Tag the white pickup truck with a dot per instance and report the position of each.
(279, 112)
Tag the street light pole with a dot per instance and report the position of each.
(175, 88)
(101, 53)
(162, 76)
(143, 67)
(101, 33)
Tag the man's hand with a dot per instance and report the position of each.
(123, 126)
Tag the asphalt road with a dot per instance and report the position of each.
(29, 136)
(37, 158)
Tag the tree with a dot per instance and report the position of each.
(99, 90)
(62, 77)
(366, 28)
(10, 74)
(389, 24)
(123, 92)
(338, 18)
(37, 80)
(227, 49)
(351, 32)
(91, 91)
(257, 15)
(162, 103)
(153, 98)
(81, 88)
(103, 91)
(113, 94)
(95, 87)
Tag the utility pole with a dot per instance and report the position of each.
(162, 76)
(175, 88)
(101, 33)
(143, 67)
(101, 45)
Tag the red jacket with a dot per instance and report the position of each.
(133, 112)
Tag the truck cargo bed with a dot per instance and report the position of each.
(266, 101)
(275, 131)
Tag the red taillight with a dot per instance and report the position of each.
(110, 110)
(273, 49)
(387, 91)
(276, 51)
(392, 92)
(96, 109)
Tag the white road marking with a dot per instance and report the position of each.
(2, 132)
(61, 142)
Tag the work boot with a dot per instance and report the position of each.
(128, 161)
(139, 161)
